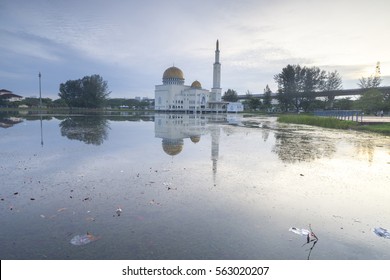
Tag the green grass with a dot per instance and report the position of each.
(334, 123)
(317, 121)
(378, 128)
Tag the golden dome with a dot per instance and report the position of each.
(195, 139)
(172, 147)
(173, 73)
(196, 84)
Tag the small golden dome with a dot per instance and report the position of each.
(172, 147)
(173, 73)
(195, 139)
(196, 84)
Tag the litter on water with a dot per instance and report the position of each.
(118, 211)
(381, 232)
(308, 234)
(83, 239)
(302, 232)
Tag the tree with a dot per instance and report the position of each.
(267, 99)
(89, 92)
(59, 103)
(371, 101)
(230, 95)
(369, 82)
(313, 80)
(86, 129)
(386, 100)
(332, 82)
(252, 102)
(286, 86)
(296, 85)
(343, 103)
(372, 81)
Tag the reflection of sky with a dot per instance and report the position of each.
(129, 141)
(175, 202)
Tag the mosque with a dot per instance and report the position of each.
(174, 96)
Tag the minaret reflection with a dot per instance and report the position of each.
(215, 133)
(174, 128)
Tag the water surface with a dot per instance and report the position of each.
(189, 187)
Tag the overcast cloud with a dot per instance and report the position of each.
(131, 43)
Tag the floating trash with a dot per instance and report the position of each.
(118, 211)
(309, 234)
(302, 232)
(381, 232)
(84, 239)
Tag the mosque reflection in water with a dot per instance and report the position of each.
(174, 128)
(288, 143)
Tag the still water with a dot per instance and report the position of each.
(164, 186)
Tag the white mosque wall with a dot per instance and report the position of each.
(180, 98)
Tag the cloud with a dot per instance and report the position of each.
(28, 45)
(131, 43)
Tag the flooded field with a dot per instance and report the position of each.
(190, 187)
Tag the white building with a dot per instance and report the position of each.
(235, 107)
(174, 96)
(9, 96)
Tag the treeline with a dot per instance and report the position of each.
(34, 102)
(87, 92)
(297, 85)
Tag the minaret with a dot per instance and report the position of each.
(216, 90)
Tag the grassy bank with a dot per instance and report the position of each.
(334, 123)
(378, 128)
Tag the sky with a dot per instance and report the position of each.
(131, 43)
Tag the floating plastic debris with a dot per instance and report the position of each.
(118, 211)
(302, 232)
(309, 234)
(381, 232)
(84, 239)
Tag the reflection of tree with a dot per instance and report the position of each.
(89, 129)
(265, 134)
(366, 147)
(292, 147)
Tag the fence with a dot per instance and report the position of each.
(352, 115)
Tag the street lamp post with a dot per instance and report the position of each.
(40, 97)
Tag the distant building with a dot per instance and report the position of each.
(174, 96)
(235, 107)
(9, 96)
(9, 122)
